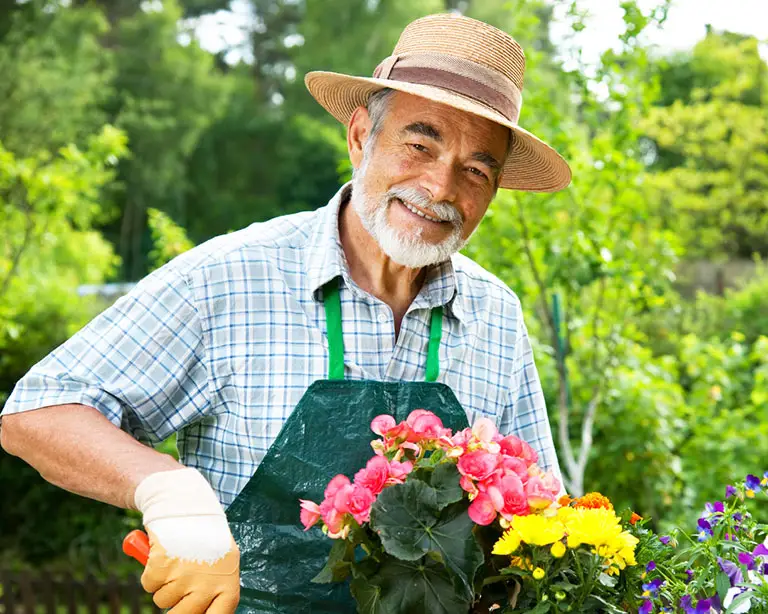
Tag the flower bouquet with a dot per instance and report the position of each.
(440, 522)
(446, 523)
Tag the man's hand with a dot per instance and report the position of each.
(194, 563)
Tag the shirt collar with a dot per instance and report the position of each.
(326, 260)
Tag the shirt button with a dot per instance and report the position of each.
(382, 317)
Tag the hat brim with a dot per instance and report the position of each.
(532, 165)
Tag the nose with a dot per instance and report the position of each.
(440, 181)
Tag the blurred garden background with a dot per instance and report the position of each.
(125, 140)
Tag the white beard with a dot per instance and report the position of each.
(405, 248)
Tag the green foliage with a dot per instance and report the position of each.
(712, 184)
(55, 78)
(170, 239)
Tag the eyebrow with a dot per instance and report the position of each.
(431, 132)
(425, 130)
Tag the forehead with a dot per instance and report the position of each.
(454, 125)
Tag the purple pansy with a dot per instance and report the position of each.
(665, 539)
(703, 606)
(746, 559)
(689, 575)
(753, 482)
(706, 529)
(730, 491)
(650, 566)
(686, 604)
(732, 570)
(653, 586)
(646, 608)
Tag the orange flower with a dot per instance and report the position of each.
(635, 518)
(564, 500)
(594, 500)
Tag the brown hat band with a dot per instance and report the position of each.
(458, 75)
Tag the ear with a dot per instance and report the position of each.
(357, 135)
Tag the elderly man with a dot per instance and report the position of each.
(238, 347)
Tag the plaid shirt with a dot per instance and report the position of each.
(220, 344)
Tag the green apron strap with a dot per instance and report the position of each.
(332, 304)
(435, 333)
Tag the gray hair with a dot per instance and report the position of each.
(378, 102)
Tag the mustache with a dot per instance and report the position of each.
(442, 209)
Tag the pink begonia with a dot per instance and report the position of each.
(509, 497)
(356, 500)
(425, 425)
(468, 485)
(477, 465)
(542, 490)
(375, 474)
(398, 471)
(512, 465)
(334, 485)
(481, 510)
(514, 446)
(484, 430)
(332, 518)
(310, 513)
(382, 424)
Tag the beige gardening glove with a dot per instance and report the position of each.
(194, 563)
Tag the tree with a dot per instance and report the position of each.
(711, 136)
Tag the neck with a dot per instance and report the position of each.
(373, 270)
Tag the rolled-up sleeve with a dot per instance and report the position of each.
(140, 363)
(525, 416)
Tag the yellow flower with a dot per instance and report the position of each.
(558, 550)
(508, 543)
(595, 527)
(538, 574)
(522, 563)
(538, 530)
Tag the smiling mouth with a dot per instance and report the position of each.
(420, 213)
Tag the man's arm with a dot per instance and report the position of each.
(76, 448)
(139, 366)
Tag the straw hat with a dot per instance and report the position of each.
(468, 65)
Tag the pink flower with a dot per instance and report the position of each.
(511, 496)
(425, 425)
(484, 430)
(334, 485)
(477, 465)
(481, 510)
(383, 424)
(398, 471)
(310, 513)
(468, 485)
(356, 500)
(462, 439)
(332, 517)
(514, 446)
(513, 465)
(374, 476)
(541, 490)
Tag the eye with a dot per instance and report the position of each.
(419, 147)
(476, 171)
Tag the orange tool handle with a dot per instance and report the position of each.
(136, 544)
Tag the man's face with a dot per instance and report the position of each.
(424, 182)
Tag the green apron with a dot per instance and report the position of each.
(328, 433)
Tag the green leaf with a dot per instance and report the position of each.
(541, 608)
(405, 587)
(402, 516)
(738, 601)
(339, 563)
(407, 519)
(445, 481)
(722, 584)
